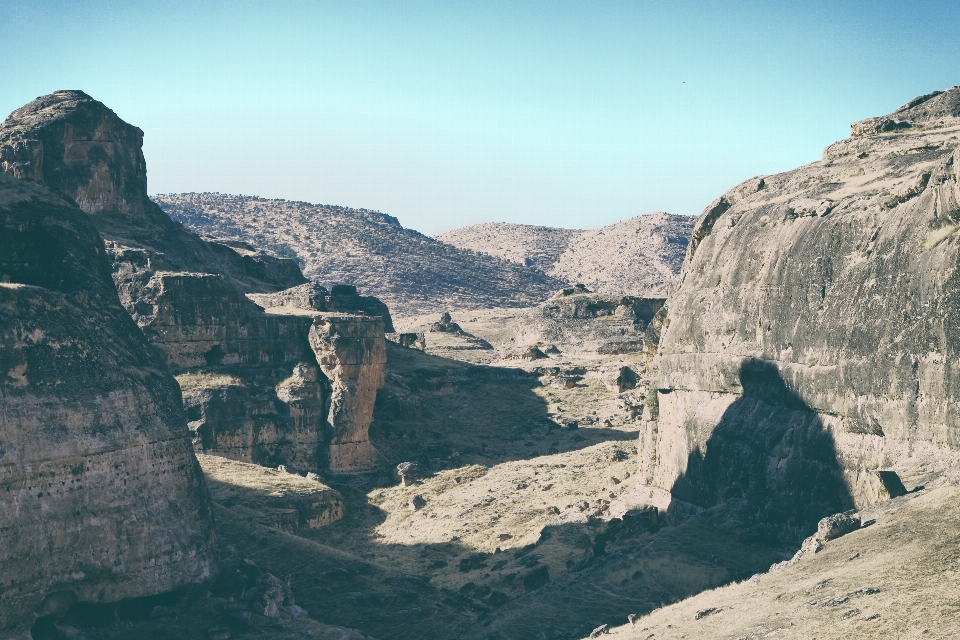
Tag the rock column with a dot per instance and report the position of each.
(352, 352)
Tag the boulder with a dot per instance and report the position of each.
(838, 525)
(446, 325)
(409, 472)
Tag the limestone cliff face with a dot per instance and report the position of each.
(101, 497)
(251, 383)
(78, 147)
(352, 352)
(815, 333)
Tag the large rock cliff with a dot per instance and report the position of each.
(78, 147)
(815, 334)
(101, 497)
(251, 382)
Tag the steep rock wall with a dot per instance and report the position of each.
(251, 383)
(824, 300)
(76, 146)
(101, 497)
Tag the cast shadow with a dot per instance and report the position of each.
(769, 460)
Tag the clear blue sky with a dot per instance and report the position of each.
(446, 113)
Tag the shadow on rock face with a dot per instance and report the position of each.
(769, 460)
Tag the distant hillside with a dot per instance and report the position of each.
(411, 272)
(640, 255)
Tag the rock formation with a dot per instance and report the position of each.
(342, 298)
(352, 352)
(412, 273)
(101, 497)
(638, 256)
(78, 147)
(251, 382)
(813, 338)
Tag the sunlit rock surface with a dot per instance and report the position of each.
(814, 337)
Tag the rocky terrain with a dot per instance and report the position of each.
(101, 498)
(251, 381)
(639, 256)
(816, 307)
(896, 578)
(409, 271)
(770, 449)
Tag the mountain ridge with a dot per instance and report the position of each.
(408, 270)
(641, 255)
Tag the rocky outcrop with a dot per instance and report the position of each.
(78, 147)
(101, 497)
(342, 298)
(571, 319)
(276, 497)
(352, 352)
(251, 383)
(813, 338)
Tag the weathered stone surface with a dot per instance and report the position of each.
(839, 524)
(101, 497)
(292, 501)
(809, 345)
(571, 318)
(882, 485)
(251, 383)
(351, 352)
(410, 340)
(78, 147)
(342, 298)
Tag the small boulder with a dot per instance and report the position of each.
(272, 593)
(837, 525)
(627, 378)
(410, 340)
(416, 503)
(446, 325)
(600, 631)
(884, 485)
(409, 472)
(533, 353)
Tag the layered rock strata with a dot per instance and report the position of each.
(251, 382)
(814, 337)
(101, 497)
(341, 298)
(78, 147)
(588, 323)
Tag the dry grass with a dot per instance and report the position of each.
(911, 555)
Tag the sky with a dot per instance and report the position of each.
(447, 113)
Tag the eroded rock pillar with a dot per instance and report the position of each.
(351, 351)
